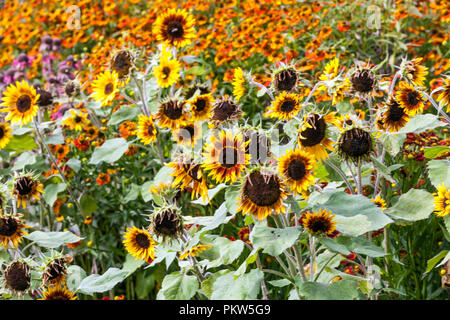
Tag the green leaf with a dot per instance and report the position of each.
(178, 286)
(222, 252)
(133, 193)
(383, 170)
(422, 122)
(211, 194)
(245, 287)
(76, 274)
(111, 151)
(131, 264)
(439, 172)
(340, 290)
(392, 142)
(280, 283)
(101, 283)
(435, 152)
(51, 192)
(231, 199)
(88, 204)
(52, 239)
(414, 205)
(250, 259)
(74, 164)
(124, 113)
(273, 241)
(435, 260)
(145, 191)
(26, 158)
(345, 245)
(21, 143)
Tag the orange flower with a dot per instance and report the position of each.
(103, 178)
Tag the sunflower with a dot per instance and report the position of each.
(225, 157)
(285, 79)
(175, 28)
(238, 83)
(20, 101)
(225, 109)
(171, 114)
(330, 71)
(444, 96)
(27, 187)
(414, 71)
(297, 166)
(363, 81)
(442, 201)
(194, 251)
(105, 87)
(261, 194)
(410, 99)
(77, 121)
(355, 144)
(18, 277)
(146, 129)
(122, 63)
(11, 230)
(140, 244)
(186, 173)
(55, 272)
(5, 134)
(166, 223)
(320, 222)
(379, 202)
(201, 106)
(340, 90)
(188, 133)
(313, 134)
(285, 106)
(167, 72)
(395, 117)
(58, 292)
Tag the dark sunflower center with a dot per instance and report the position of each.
(109, 88)
(190, 132)
(142, 240)
(363, 81)
(413, 98)
(172, 110)
(286, 80)
(314, 135)
(228, 157)
(395, 113)
(45, 98)
(150, 129)
(167, 224)
(348, 122)
(175, 29)
(319, 225)
(55, 269)
(262, 190)
(17, 276)
(23, 103)
(2, 132)
(58, 295)
(287, 106)
(200, 105)
(166, 72)
(24, 185)
(8, 226)
(356, 143)
(122, 63)
(77, 119)
(224, 110)
(296, 169)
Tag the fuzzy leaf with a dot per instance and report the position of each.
(52, 239)
(111, 150)
(101, 283)
(414, 205)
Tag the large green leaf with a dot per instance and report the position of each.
(345, 245)
(435, 152)
(340, 290)
(431, 263)
(88, 204)
(422, 122)
(111, 150)
(414, 205)
(178, 286)
(20, 143)
(76, 274)
(222, 252)
(124, 113)
(52, 239)
(211, 194)
(51, 192)
(273, 241)
(101, 283)
(245, 287)
(439, 172)
(26, 158)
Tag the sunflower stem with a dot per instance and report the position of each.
(342, 174)
(312, 248)
(439, 110)
(263, 87)
(353, 176)
(324, 266)
(394, 80)
(142, 96)
(377, 180)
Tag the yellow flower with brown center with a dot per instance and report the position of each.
(5, 134)
(91, 132)
(175, 28)
(285, 106)
(330, 71)
(20, 101)
(58, 292)
(11, 230)
(442, 201)
(394, 118)
(186, 173)
(444, 96)
(26, 188)
(167, 72)
(297, 168)
(76, 121)
(225, 157)
(340, 90)
(140, 244)
(61, 150)
(313, 137)
(262, 194)
(415, 72)
(188, 134)
(380, 202)
(146, 129)
(238, 83)
(320, 222)
(105, 87)
(171, 114)
(194, 251)
(201, 106)
(409, 99)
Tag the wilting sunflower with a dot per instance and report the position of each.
(166, 223)
(175, 28)
(262, 194)
(225, 157)
(188, 133)
(140, 244)
(122, 63)
(27, 187)
(105, 87)
(414, 71)
(12, 230)
(312, 136)
(285, 106)
(285, 79)
(5, 134)
(196, 89)
(20, 101)
(444, 96)
(167, 72)
(238, 83)
(201, 106)
(58, 292)
(186, 173)
(379, 202)
(355, 144)
(194, 251)
(442, 201)
(395, 117)
(17, 277)
(297, 167)
(409, 99)
(320, 222)
(225, 109)
(55, 271)
(171, 114)
(77, 121)
(363, 81)
(146, 129)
